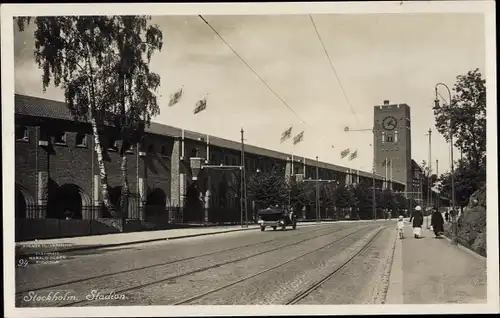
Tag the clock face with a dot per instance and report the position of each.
(389, 123)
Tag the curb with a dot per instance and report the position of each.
(379, 293)
(466, 249)
(91, 247)
(394, 294)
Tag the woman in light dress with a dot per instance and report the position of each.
(401, 226)
(418, 220)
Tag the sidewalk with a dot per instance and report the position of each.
(432, 271)
(108, 240)
(66, 244)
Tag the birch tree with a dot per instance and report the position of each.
(83, 56)
(136, 103)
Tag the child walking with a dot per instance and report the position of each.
(401, 226)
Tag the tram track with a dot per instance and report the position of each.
(201, 269)
(190, 258)
(306, 292)
(192, 299)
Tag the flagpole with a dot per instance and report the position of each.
(391, 175)
(386, 164)
(318, 211)
(208, 149)
(304, 167)
(182, 141)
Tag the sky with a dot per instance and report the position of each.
(377, 57)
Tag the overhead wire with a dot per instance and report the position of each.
(333, 68)
(257, 75)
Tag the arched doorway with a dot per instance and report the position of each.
(193, 208)
(156, 203)
(24, 202)
(224, 207)
(68, 201)
(115, 197)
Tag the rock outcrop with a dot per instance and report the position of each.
(472, 223)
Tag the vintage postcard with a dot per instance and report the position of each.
(249, 158)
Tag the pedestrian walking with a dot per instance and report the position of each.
(401, 226)
(437, 223)
(418, 220)
(447, 216)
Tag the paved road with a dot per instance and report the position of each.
(240, 268)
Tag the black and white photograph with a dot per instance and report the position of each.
(190, 159)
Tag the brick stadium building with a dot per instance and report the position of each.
(56, 175)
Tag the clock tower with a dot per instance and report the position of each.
(392, 142)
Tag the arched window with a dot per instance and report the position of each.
(142, 144)
(112, 144)
(164, 152)
(21, 133)
(81, 140)
(194, 153)
(129, 148)
(60, 138)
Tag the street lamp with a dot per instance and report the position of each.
(453, 217)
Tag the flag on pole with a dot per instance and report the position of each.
(200, 105)
(353, 155)
(175, 97)
(298, 138)
(344, 153)
(286, 134)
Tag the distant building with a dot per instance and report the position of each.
(392, 143)
(57, 175)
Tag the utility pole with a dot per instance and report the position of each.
(242, 174)
(390, 176)
(289, 181)
(429, 192)
(438, 202)
(386, 165)
(318, 217)
(374, 208)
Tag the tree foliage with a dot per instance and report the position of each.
(429, 180)
(302, 194)
(468, 125)
(268, 189)
(329, 195)
(468, 117)
(467, 181)
(102, 64)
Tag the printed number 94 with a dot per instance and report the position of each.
(22, 263)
